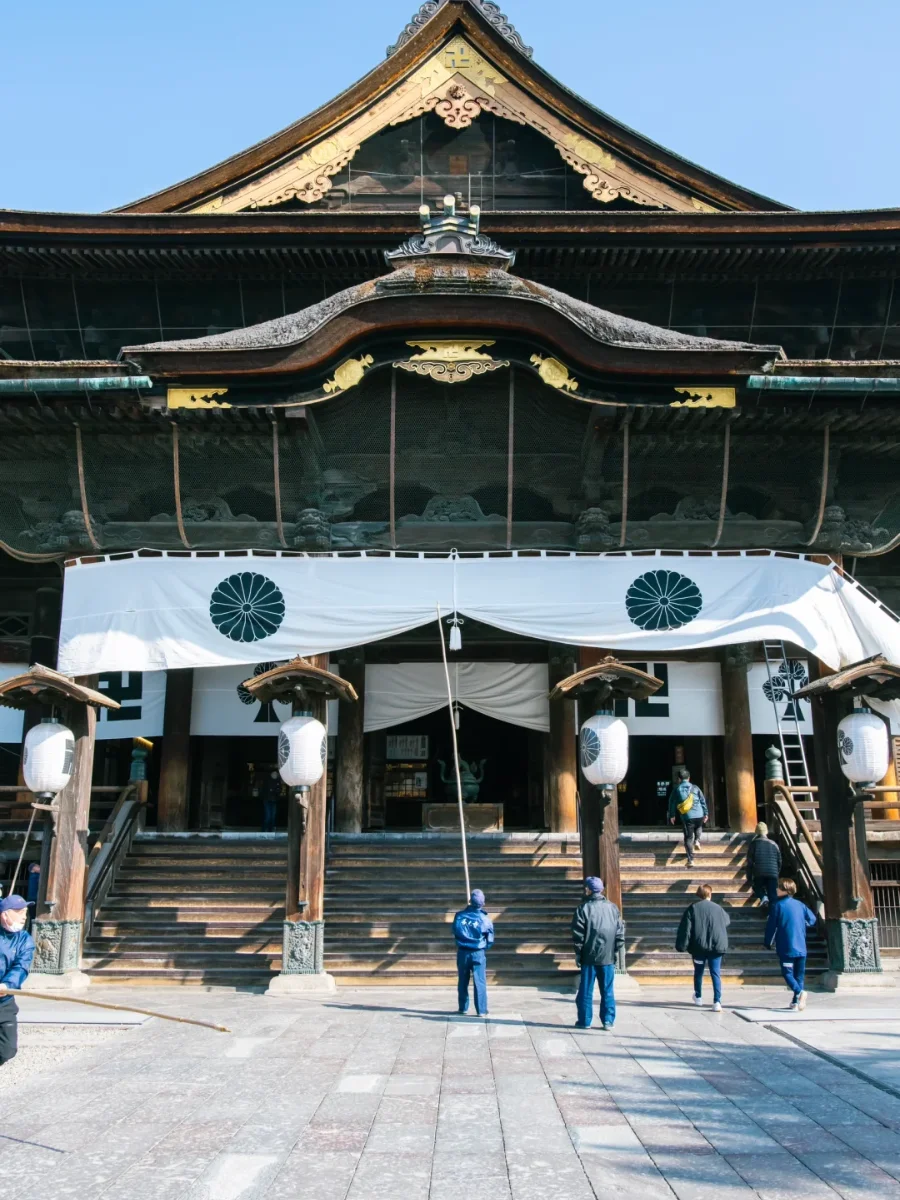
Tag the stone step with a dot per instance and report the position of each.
(178, 944)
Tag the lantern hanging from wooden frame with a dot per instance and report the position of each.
(863, 747)
(603, 745)
(48, 757)
(302, 751)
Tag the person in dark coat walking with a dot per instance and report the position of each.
(474, 933)
(599, 936)
(764, 865)
(703, 932)
(789, 919)
(16, 953)
(688, 803)
(271, 794)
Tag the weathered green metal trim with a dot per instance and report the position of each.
(823, 383)
(95, 383)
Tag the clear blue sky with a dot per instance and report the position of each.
(104, 101)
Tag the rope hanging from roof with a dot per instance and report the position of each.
(85, 512)
(393, 460)
(176, 475)
(626, 443)
(826, 443)
(726, 463)
(510, 449)
(276, 471)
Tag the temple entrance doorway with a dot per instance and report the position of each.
(410, 765)
(653, 761)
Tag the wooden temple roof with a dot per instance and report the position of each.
(513, 81)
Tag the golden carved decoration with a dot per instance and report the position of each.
(348, 374)
(449, 350)
(459, 84)
(450, 372)
(554, 373)
(200, 397)
(704, 397)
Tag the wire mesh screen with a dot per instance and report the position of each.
(576, 471)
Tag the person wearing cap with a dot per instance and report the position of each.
(474, 933)
(16, 953)
(599, 937)
(764, 865)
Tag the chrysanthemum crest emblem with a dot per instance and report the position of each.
(663, 600)
(247, 607)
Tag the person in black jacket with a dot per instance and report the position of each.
(764, 865)
(599, 936)
(703, 932)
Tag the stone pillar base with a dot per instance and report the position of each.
(301, 985)
(68, 981)
(57, 947)
(856, 981)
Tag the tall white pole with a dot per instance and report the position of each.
(459, 797)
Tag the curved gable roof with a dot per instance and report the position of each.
(490, 68)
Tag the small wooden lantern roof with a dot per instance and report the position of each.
(607, 680)
(874, 677)
(41, 685)
(295, 678)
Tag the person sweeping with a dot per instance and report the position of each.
(16, 954)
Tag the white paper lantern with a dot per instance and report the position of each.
(48, 757)
(863, 747)
(604, 749)
(302, 747)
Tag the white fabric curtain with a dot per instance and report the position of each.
(513, 692)
(151, 613)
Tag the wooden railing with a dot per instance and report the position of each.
(789, 828)
(110, 847)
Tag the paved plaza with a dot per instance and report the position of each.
(384, 1093)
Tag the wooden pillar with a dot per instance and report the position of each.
(740, 786)
(890, 780)
(563, 766)
(60, 920)
(349, 793)
(175, 762)
(850, 923)
(314, 891)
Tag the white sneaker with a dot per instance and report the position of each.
(717, 1007)
(794, 1005)
(698, 1000)
(801, 1001)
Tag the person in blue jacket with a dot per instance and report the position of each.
(789, 919)
(694, 818)
(16, 953)
(474, 933)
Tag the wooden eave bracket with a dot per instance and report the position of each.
(607, 680)
(43, 686)
(297, 676)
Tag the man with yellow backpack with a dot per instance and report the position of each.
(688, 802)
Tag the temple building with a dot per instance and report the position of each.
(458, 364)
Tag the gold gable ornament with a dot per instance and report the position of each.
(199, 397)
(348, 374)
(704, 397)
(554, 373)
(451, 361)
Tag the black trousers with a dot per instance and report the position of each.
(9, 1031)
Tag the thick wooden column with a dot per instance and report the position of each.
(562, 772)
(60, 921)
(349, 794)
(890, 780)
(175, 762)
(740, 786)
(850, 923)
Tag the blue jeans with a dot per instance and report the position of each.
(793, 971)
(472, 962)
(766, 885)
(270, 810)
(715, 974)
(584, 1001)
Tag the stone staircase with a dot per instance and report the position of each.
(389, 900)
(208, 909)
(200, 908)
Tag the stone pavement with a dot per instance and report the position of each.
(381, 1093)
